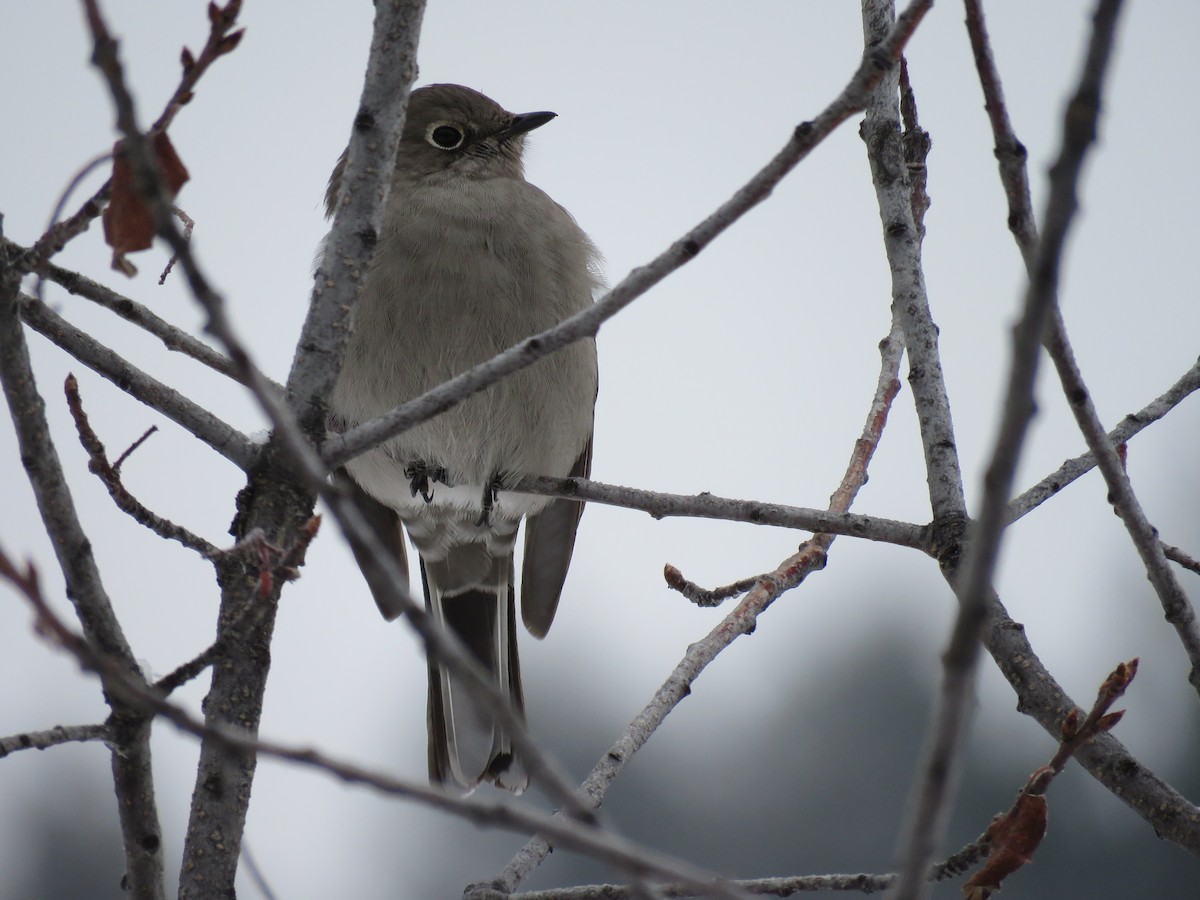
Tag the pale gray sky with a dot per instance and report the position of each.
(746, 374)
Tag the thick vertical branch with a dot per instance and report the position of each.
(894, 189)
(350, 247)
(274, 501)
(910, 301)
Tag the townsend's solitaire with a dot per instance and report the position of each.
(471, 259)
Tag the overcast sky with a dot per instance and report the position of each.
(746, 374)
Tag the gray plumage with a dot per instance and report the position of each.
(471, 259)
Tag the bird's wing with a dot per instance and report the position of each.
(549, 542)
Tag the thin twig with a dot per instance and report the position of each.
(172, 337)
(1176, 554)
(256, 874)
(1132, 424)
(90, 166)
(220, 41)
(707, 598)
(1014, 836)
(188, 225)
(222, 437)
(1174, 600)
(52, 737)
(121, 496)
(132, 448)
(708, 506)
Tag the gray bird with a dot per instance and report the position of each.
(472, 258)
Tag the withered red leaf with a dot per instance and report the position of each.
(1014, 837)
(128, 222)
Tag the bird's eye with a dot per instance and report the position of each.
(445, 137)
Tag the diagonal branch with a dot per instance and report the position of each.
(172, 337)
(1175, 603)
(339, 449)
(109, 476)
(1132, 424)
(222, 437)
(1080, 127)
(742, 620)
(1175, 554)
(53, 737)
(127, 734)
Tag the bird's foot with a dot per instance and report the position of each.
(421, 478)
(489, 502)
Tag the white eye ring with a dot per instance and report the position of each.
(444, 136)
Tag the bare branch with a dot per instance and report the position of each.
(1172, 816)
(172, 337)
(222, 437)
(52, 737)
(220, 42)
(973, 583)
(757, 887)
(49, 483)
(108, 475)
(1131, 425)
(1013, 837)
(130, 751)
(1079, 132)
(707, 598)
(1175, 603)
(709, 506)
(890, 168)
(1175, 554)
(1010, 152)
(127, 734)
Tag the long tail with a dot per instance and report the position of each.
(469, 746)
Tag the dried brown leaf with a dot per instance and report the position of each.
(128, 222)
(1014, 837)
